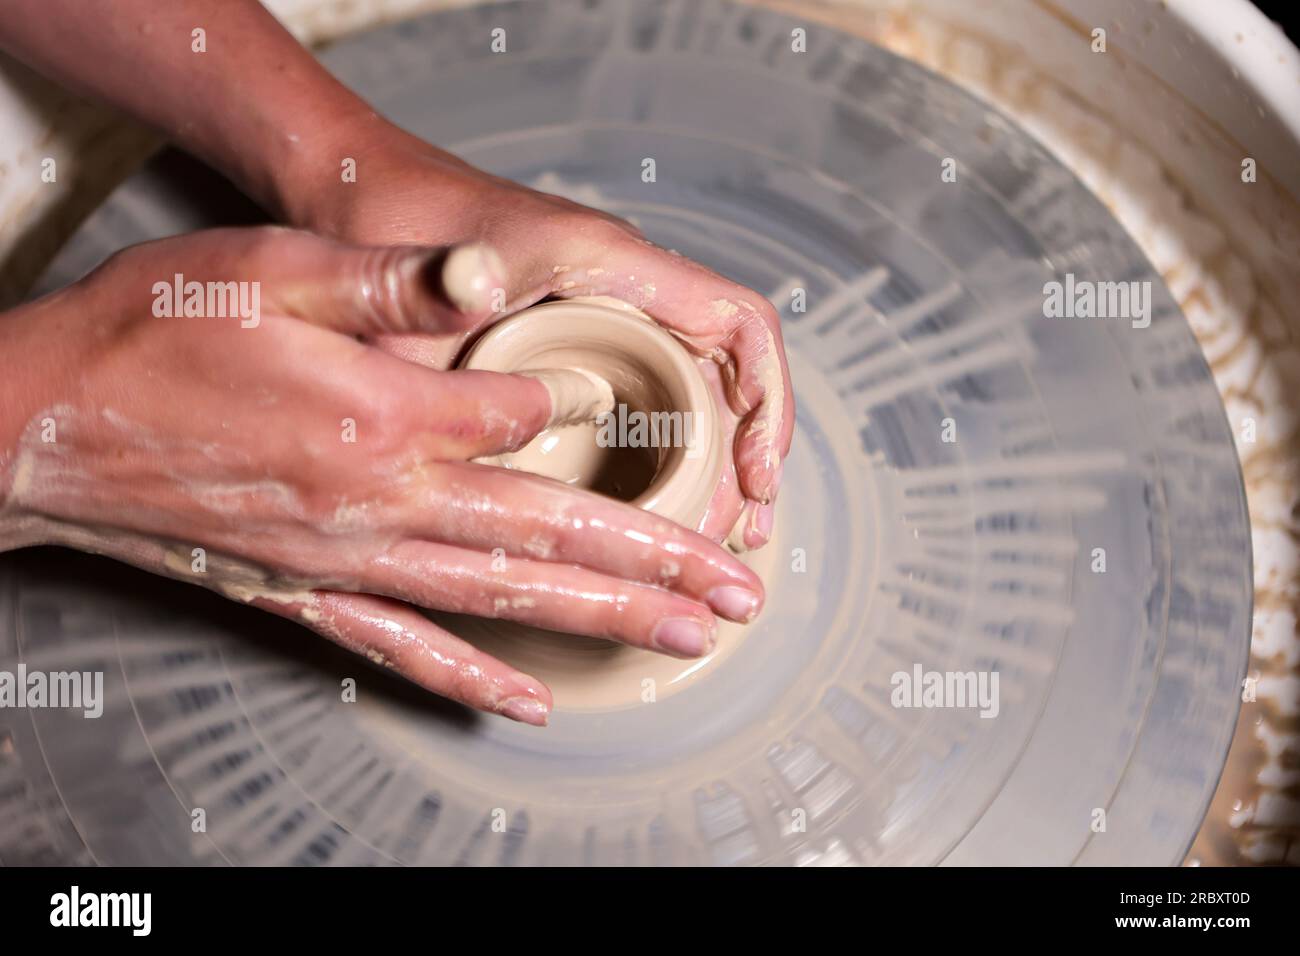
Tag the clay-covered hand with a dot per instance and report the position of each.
(276, 457)
(407, 191)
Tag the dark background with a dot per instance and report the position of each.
(1284, 13)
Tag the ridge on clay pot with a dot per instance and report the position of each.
(660, 447)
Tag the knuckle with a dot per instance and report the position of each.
(592, 230)
(263, 244)
(147, 260)
(464, 684)
(381, 288)
(616, 619)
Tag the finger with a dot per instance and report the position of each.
(760, 380)
(557, 597)
(431, 351)
(475, 413)
(724, 508)
(484, 508)
(371, 291)
(358, 290)
(472, 413)
(717, 318)
(753, 528)
(764, 521)
(398, 637)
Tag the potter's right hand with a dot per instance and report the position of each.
(278, 458)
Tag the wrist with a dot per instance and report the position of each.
(38, 362)
(298, 168)
(367, 180)
(322, 174)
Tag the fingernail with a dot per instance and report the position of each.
(468, 275)
(773, 482)
(733, 603)
(526, 710)
(764, 516)
(682, 636)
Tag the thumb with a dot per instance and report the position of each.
(383, 290)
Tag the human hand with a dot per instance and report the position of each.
(282, 142)
(407, 191)
(281, 459)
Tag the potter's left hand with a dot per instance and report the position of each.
(407, 191)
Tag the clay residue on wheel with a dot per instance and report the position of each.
(1234, 285)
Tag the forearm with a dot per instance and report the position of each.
(254, 104)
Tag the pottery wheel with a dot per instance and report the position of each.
(1073, 441)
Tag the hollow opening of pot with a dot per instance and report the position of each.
(623, 471)
(596, 455)
(623, 454)
(662, 415)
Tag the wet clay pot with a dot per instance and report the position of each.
(649, 373)
(660, 448)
